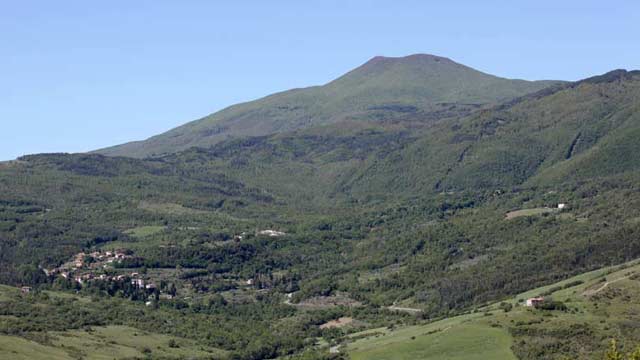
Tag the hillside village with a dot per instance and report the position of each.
(106, 266)
(101, 266)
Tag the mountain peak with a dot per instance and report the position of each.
(409, 60)
(419, 82)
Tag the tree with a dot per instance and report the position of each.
(505, 306)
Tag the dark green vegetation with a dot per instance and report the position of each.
(381, 90)
(390, 221)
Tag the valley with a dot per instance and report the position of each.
(402, 222)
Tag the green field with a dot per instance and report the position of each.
(13, 347)
(529, 212)
(592, 298)
(88, 342)
(110, 342)
(143, 231)
(459, 338)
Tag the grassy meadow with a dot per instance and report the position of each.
(596, 300)
(110, 342)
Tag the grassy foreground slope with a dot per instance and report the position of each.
(590, 310)
(451, 340)
(109, 342)
(52, 337)
(382, 89)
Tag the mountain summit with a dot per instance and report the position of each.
(382, 88)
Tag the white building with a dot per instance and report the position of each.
(272, 233)
(534, 301)
(138, 282)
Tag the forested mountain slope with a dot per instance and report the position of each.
(566, 133)
(417, 85)
(587, 129)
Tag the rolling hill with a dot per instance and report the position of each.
(384, 88)
(595, 308)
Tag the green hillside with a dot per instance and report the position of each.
(424, 86)
(256, 246)
(566, 133)
(588, 311)
(584, 130)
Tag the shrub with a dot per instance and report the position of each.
(551, 305)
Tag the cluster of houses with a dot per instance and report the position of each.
(93, 261)
(83, 267)
(87, 267)
(267, 232)
(134, 278)
(271, 233)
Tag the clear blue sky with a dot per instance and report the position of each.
(80, 75)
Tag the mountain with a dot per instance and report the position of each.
(570, 131)
(576, 131)
(383, 88)
(388, 226)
